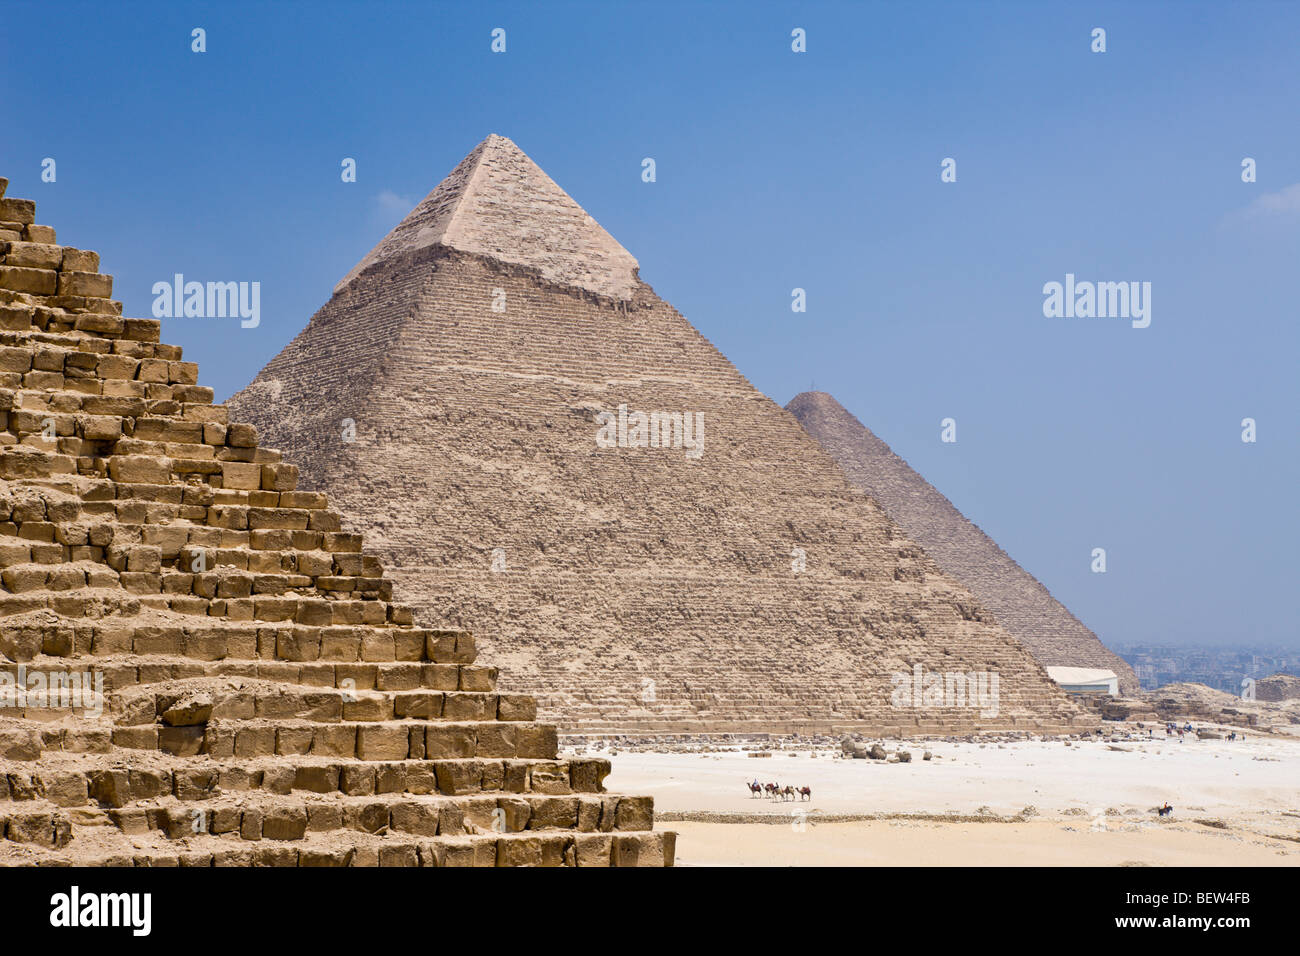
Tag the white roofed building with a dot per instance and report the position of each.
(1085, 680)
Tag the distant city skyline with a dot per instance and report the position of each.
(1223, 667)
(774, 171)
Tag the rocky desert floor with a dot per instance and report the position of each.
(1035, 802)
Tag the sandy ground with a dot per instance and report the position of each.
(1091, 804)
(1037, 843)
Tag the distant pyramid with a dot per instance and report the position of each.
(473, 394)
(1018, 601)
(199, 667)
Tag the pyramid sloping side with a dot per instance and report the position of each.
(1278, 687)
(236, 686)
(1019, 602)
(345, 361)
(497, 202)
(641, 589)
(427, 223)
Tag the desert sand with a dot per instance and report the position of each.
(1037, 843)
(1027, 803)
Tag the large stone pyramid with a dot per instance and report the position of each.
(263, 702)
(472, 395)
(1018, 601)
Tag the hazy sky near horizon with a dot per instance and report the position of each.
(776, 170)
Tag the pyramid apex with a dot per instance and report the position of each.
(494, 139)
(814, 400)
(499, 203)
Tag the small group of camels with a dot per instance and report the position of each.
(773, 791)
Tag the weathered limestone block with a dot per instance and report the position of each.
(594, 850)
(20, 743)
(33, 255)
(117, 367)
(279, 477)
(642, 849)
(181, 741)
(139, 469)
(35, 233)
(240, 475)
(449, 742)
(52, 831)
(384, 742)
(516, 707)
(241, 436)
(85, 283)
(537, 740)
(79, 260)
(634, 813)
(34, 281)
(17, 210)
(284, 823)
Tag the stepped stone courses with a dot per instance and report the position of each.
(266, 703)
(1278, 687)
(1017, 600)
(643, 590)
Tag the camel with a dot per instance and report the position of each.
(755, 788)
(787, 793)
(805, 793)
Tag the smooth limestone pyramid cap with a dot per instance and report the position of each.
(1019, 602)
(499, 203)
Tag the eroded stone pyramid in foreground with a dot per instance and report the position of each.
(471, 396)
(1018, 601)
(266, 703)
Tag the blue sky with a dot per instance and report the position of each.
(779, 170)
